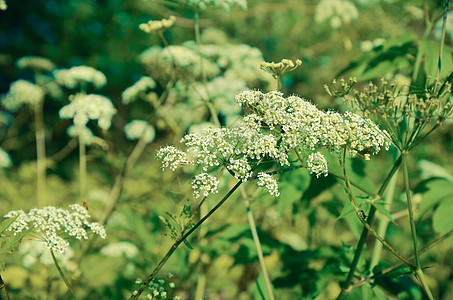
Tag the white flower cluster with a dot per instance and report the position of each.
(172, 157)
(131, 94)
(204, 184)
(36, 63)
(163, 24)
(269, 182)
(3, 5)
(86, 135)
(22, 92)
(137, 129)
(80, 75)
(84, 107)
(337, 12)
(53, 222)
(226, 5)
(35, 251)
(120, 249)
(317, 164)
(5, 159)
(300, 123)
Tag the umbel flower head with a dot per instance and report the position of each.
(35, 63)
(137, 129)
(22, 92)
(80, 76)
(139, 88)
(85, 107)
(272, 127)
(161, 25)
(280, 68)
(55, 224)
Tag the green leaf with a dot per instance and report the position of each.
(6, 223)
(188, 245)
(9, 243)
(260, 291)
(381, 207)
(442, 217)
(430, 50)
(292, 187)
(347, 210)
(432, 170)
(433, 192)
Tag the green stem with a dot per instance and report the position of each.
(136, 294)
(418, 271)
(62, 274)
(441, 48)
(393, 267)
(82, 168)
(3, 290)
(40, 154)
(257, 242)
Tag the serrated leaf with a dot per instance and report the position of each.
(10, 243)
(383, 210)
(186, 211)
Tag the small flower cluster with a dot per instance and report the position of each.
(162, 25)
(172, 157)
(204, 184)
(226, 5)
(84, 107)
(79, 76)
(86, 135)
(120, 249)
(5, 159)
(22, 92)
(337, 12)
(3, 5)
(133, 92)
(137, 129)
(317, 163)
(269, 182)
(281, 68)
(35, 63)
(52, 222)
(158, 289)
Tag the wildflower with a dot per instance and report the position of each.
(137, 129)
(224, 4)
(84, 107)
(52, 222)
(5, 159)
(86, 135)
(281, 68)
(337, 12)
(161, 25)
(80, 76)
(3, 5)
(35, 63)
(120, 249)
(204, 185)
(22, 92)
(172, 157)
(317, 164)
(269, 182)
(140, 87)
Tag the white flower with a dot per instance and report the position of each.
(84, 107)
(35, 250)
(137, 129)
(226, 5)
(22, 92)
(5, 159)
(3, 5)
(204, 185)
(35, 63)
(317, 164)
(80, 75)
(269, 182)
(120, 249)
(51, 222)
(172, 157)
(337, 12)
(144, 84)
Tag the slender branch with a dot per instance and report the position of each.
(3, 290)
(136, 294)
(66, 282)
(40, 154)
(82, 168)
(418, 270)
(441, 48)
(257, 242)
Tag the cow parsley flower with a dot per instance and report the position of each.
(80, 76)
(204, 184)
(161, 25)
(22, 92)
(35, 63)
(55, 224)
(317, 164)
(85, 107)
(144, 84)
(172, 157)
(337, 12)
(3, 5)
(269, 182)
(137, 129)
(226, 5)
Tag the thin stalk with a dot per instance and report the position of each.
(441, 48)
(383, 224)
(3, 290)
(257, 242)
(393, 267)
(418, 270)
(82, 168)
(66, 282)
(40, 154)
(136, 294)
(201, 285)
(365, 230)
